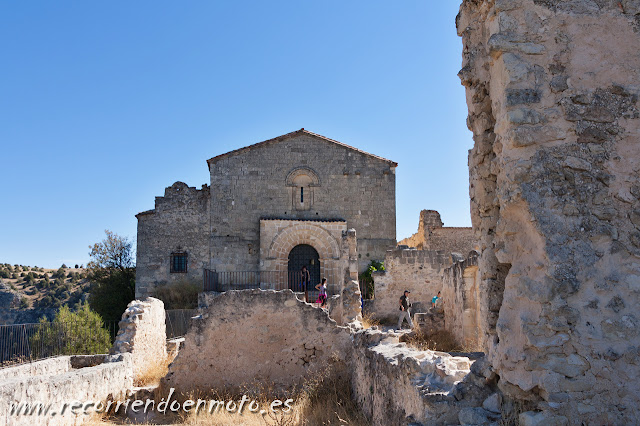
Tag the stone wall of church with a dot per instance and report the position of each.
(179, 223)
(252, 184)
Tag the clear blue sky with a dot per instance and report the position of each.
(104, 104)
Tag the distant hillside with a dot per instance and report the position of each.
(25, 287)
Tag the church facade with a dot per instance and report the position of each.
(271, 208)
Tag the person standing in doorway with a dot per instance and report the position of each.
(305, 278)
(405, 305)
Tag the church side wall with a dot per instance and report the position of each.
(180, 222)
(252, 185)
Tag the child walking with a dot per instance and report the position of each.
(322, 296)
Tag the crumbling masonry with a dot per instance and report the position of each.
(552, 90)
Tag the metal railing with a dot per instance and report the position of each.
(178, 321)
(31, 342)
(366, 287)
(267, 280)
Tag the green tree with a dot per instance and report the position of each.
(71, 333)
(113, 276)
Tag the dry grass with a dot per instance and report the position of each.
(511, 410)
(324, 400)
(442, 341)
(155, 371)
(369, 321)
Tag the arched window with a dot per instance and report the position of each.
(301, 182)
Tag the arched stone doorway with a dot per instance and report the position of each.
(279, 237)
(299, 256)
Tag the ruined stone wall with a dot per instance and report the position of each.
(419, 271)
(395, 384)
(452, 240)
(142, 333)
(460, 301)
(432, 235)
(255, 183)
(60, 380)
(179, 223)
(552, 90)
(257, 335)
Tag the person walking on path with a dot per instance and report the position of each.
(322, 296)
(405, 305)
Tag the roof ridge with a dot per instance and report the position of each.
(291, 134)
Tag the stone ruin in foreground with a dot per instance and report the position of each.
(552, 89)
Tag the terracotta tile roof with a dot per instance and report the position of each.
(291, 135)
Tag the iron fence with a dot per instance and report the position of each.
(31, 342)
(178, 321)
(267, 280)
(366, 287)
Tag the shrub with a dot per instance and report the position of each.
(71, 333)
(24, 303)
(180, 295)
(76, 266)
(60, 273)
(4, 274)
(14, 276)
(13, 286)
(63, 266)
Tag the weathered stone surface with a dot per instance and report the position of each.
(493, 403)
(419, 271)
(553, 202)
(396, 384)
(460, 293)
(63, 380)
(257, 337)
(542, 418)
(433, 235)
(430, 322)
(142, 333)
(476, 416)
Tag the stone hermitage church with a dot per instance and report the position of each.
(269, 209)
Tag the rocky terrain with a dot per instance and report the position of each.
(27, 293)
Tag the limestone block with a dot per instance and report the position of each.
(142, 332)
(532, 418)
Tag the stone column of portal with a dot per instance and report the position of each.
(350, 294)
